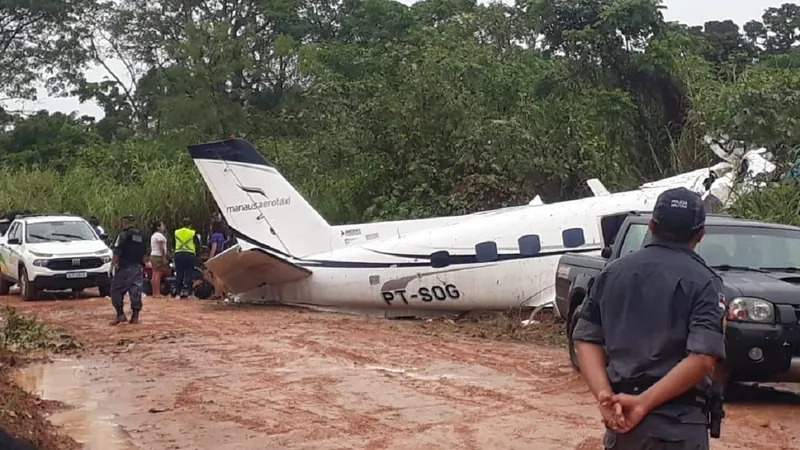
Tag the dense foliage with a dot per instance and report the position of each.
(378, 110)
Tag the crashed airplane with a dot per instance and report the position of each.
(494, 260)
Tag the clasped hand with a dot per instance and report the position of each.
(621, 412)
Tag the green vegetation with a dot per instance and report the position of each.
(377, 110)
(778, 204)
(23, 333)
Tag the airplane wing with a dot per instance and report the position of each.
(242, 269)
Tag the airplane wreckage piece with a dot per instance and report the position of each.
(492, 260)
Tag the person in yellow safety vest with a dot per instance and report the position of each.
(186, 245)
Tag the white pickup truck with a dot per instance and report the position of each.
(53, 252)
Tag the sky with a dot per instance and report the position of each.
(691, 12)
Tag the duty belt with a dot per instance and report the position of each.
(692, 397)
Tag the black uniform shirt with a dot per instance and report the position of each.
(649, 309)
(131, 247)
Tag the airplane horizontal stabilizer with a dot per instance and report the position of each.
(244, 270)
(597, 187)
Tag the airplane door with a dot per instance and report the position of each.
(610, 225)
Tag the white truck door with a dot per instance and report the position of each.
(11, 250)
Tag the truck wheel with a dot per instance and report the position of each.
(573, 355)
(26, 289)
(5, 286)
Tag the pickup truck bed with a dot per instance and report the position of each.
(575, 272)
(572, 267)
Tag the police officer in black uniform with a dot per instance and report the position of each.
(129, 251)
(650, 332)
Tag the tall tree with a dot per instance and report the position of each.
(40, 39)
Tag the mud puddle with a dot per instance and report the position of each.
(89, 422)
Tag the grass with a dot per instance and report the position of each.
(548, 330)
(24, 333)
(154, 190)
(778, 203)
(8, 405)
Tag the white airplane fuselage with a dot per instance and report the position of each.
(397, 274)
(493, 260)
(363, 232)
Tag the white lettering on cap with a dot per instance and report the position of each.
(679, 204)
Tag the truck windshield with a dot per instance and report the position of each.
(767, 248)
(750, 247)
(63, 231)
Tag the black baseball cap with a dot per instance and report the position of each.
(680, 211)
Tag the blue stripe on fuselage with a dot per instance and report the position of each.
(453, 260)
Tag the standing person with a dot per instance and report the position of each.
(129, 251)
(158, 255)
(186, 245)
(650, 332)
(216, 243)
(95, 223)
(230, 237)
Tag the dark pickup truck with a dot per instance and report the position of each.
(759, 264)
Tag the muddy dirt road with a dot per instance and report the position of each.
(201, 375)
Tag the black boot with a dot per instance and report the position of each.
(120, 317)
(135, 316)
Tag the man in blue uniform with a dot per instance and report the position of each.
(129, 251)
(651, 331)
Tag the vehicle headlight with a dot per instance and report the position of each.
(40, 262)
(102, 252)
(748, 309)
(40, 255)
(106, 259)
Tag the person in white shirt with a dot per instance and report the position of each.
(95, 223)
(158, 255)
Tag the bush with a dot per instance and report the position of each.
(778, 203)
(164, 190)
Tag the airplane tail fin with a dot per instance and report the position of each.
(258, 201)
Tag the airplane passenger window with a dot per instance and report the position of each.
(529, 245)
(573, 237)
(440, 259)
(486, 251)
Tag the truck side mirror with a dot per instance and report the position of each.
(103, 236)
(606, 252)
(14, 241)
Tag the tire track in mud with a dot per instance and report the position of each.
(467, 395)
(304, 380)
(192, 393)
(550, 382)
(291, 408)
(483, 402)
